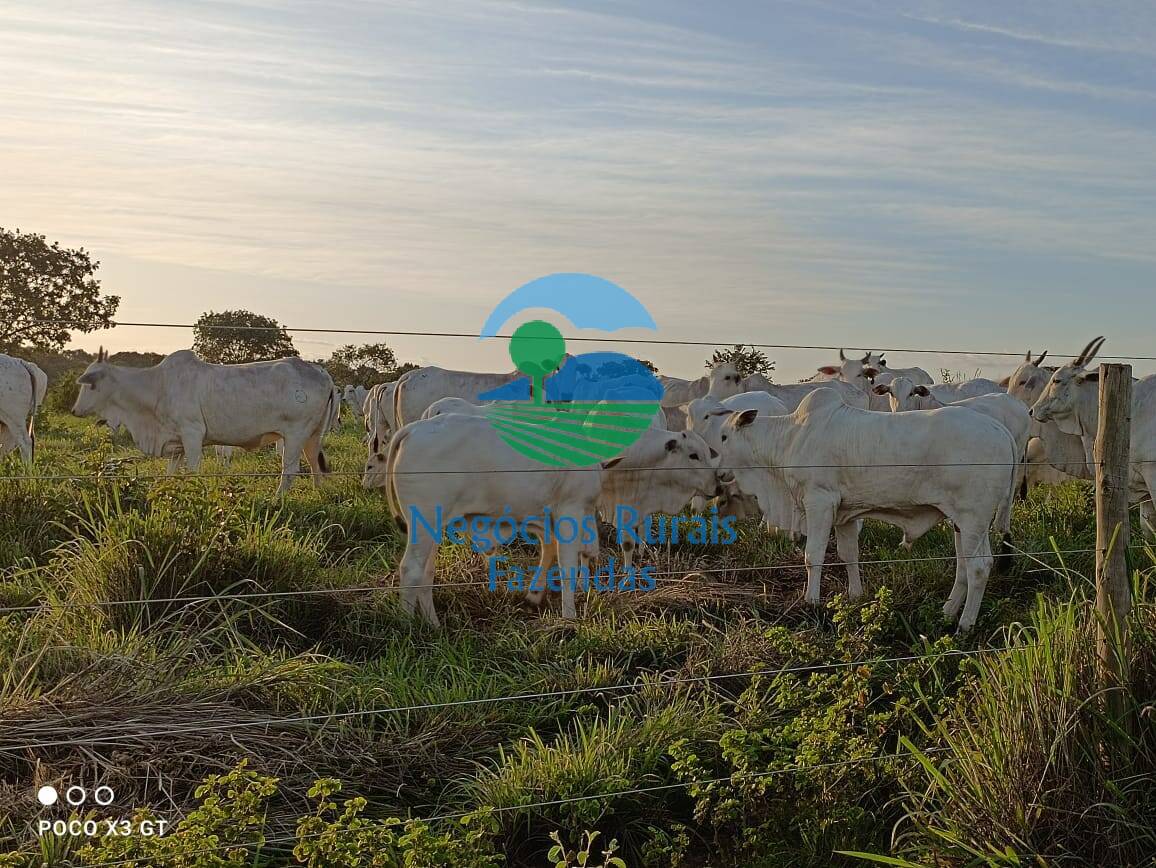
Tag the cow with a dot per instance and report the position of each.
(1071, 400)
(1000, 406)
(377, 414)
(493, 480)
(416, 390)
(843, 463)
(22, 388)
(354, 397)
(182, 404)
(453, 405)
(904, 394)
(855, 393)
(1039, 470)
(1065, 452)
(659, 473)
(723, 381)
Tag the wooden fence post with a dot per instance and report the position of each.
(1113, 582)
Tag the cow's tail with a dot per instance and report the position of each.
(1005, 556)
(391, 498)
(39, 387)
(328, 423)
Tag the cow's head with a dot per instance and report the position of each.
(1059, 397)
(96, 388)
(1028, 380)
(687, 453)
(856, 372)
(902, 394)
(725, 381)
(375, 475)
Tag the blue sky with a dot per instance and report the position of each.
(972, 175)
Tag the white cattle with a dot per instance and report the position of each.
(885, 373)
(1000, 406)
(706, 417)
(1064, 452)
(856, 394)
(453, 405)
(416, 390)
(182, 404)
(674, 418)
(378, 414)
(1071, 400)
(22, 388)
(722, 382)
(1039, 470)
(494, 481)
(354, 397)
(660, 472)
(841, 464)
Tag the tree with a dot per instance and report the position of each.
(649, 365)
(47, 291)
(365, 365)
(746, 360)
(234, 336)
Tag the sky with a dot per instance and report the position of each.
(969, 175)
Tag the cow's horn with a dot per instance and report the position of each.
(842, 357)
(865, 358)
(1088, 352)
(1040, 360)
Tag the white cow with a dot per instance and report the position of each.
(453, 405)
(1000, 406)
(377, 413)
(1064, 452)
(1071, 399)
(496, 481)
(354, 397)
(22, 388)
(182, 404)
(660, 472)
(722, 382)
(884, 373)
(856, 393)
(841, 463)
(1039, 470)
(416, 390)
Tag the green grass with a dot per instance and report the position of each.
(78, 660)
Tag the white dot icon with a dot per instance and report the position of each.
(47, 796)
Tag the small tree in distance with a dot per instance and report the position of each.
(746, 360)
(365, 365)
(47, 291)
(231, 337)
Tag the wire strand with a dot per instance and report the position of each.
(490, 700)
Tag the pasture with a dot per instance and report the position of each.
(158, 631)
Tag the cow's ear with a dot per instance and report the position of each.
(723, 412)
(671, 444)
(829, 370)
(881, 389)
(1006, 381)
(746, 417)
(921, 391)
(606, 465)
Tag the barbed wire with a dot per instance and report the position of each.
(664, 574)
(517, 697)
(576, 338)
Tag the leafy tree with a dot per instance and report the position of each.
(404, 368)
(234, 336)
(649, 365)
(47, 291)
(747, 360)
(364, 365)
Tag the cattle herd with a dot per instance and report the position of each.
(858, 440)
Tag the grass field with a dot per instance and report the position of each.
(942, 758)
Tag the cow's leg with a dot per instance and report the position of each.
(192, 444)
(820, 517)
(290, 463)
(977, 544)
(569, 560)
(547, 557)
(1148, 501)
(959, 589)
(415, 575)
(847, 542)
(315, 457)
